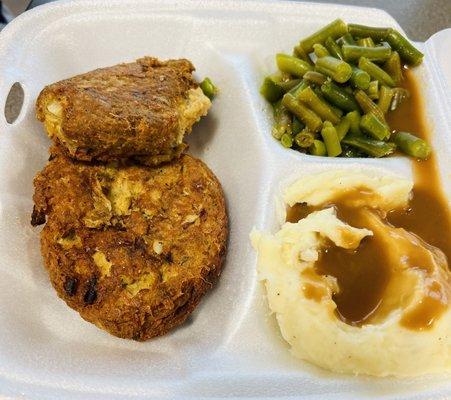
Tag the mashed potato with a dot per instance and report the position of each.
(302, 299)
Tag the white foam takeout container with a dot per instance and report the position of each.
(230, 347)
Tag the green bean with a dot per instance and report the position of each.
(339, 70)
(374, 148)
(270, 90)
(366, 42)
(333, 48)
(298, 88)
(354, 123)
(335, 29)
(306, 116)
(304, 139)
(288, 85)
(362, 31)
(406, 50)
(286, 140)
(353, 53)
(330, 137)
(360, 79)
(339, 97)
(282, 121)
(292, 65)
(351, 152)
(320, 107)
(393, 67)
(318, 148)
(385, 96)
(274, 87)
(412, 145)
(342, 128)
(399, 94)
(208, 87)
(375, 72)
(297, 126)
(299, 52)
(336, 110)
(368, 105)
(373, 126)
(373, 90)
(347, 39)
(315, 77)
(320, 50)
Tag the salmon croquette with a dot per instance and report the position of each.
(139, 110)
(133, 249)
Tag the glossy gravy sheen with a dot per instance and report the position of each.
(366, 276)
(428, 214)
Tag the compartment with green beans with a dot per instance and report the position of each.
(333, 95)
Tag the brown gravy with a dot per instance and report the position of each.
(366, 275)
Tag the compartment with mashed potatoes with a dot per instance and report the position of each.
(355, 286)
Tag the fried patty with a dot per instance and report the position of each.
(139, 110)
(131, 248)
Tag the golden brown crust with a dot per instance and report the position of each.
(122, 111)
(132, 249)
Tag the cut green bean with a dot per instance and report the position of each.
(373, 126)
(368, 105)
(375, 72)
(299, 52)
(320, 107)
(298, 88)
(374, 148)
(354, 123)
(373, 90)
(335, 29)
(366, 42)
(339, 70)
(339, 97)
(286, 140)
(282, 121)
(360, 79)
(318, 148)
(385, 97)
(288, 85)
(270, 90)
(315, 77)
(274, 87)
(363, 31)
(297, 126)
(412, 145)
(320, 50)
(308, 117)
(406, 50)
(399, 94)
(292, 65)
(351, 152)
(304, 139)
(342, 128)
(209, 89)
(347, 39)
(336, 110)
(353, 53)
(333, 48)
(330, 137)
(393, 67)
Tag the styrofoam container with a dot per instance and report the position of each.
(231, 346)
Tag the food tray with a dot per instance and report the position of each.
(231, 346)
